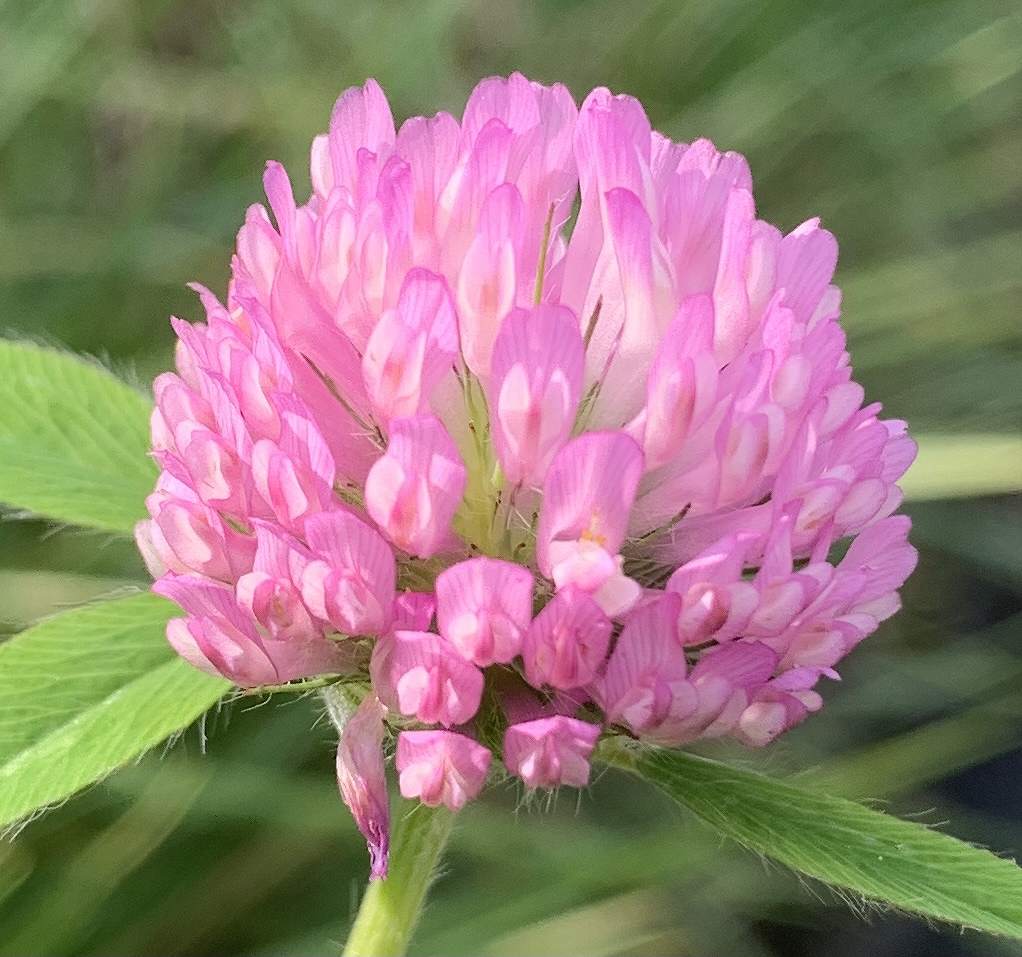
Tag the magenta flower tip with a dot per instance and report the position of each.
(361, 778)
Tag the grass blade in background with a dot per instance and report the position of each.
(74, 440)
(861, 851)
(963, 466)
(84, 692)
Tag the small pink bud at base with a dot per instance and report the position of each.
(362, 781)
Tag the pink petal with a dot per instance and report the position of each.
(484, 168)
(441, 767)
(541, 122)
(715, 601)
(176, 403)
(637, 303)
(217, 475)
(730, 296)
(430, 147)
(411, 348)
(612, 144)
(282, 202)
(271, 592)
(207, 645)
(218, 637)
(588, 493)
(780, 705)
(147, 548)
(566, 642)
(549, 752)
(644, 683)
(361, 119)
(420, 675)
(295, 475)
(488, 278)
(761, 722)
(277, 605)
(258, 251)
(535, 389)
(724, 681)
(414, 490)
(695, 200)
(805, 265)
(511, 100)
(682, 381)
(413, 611)
(484, 607)
(882, 552)
(745, 664)
(188, 536)
(351, 582)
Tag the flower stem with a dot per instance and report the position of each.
(391, 907)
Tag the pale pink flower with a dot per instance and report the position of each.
(715, 601)
(441, 767)
(445, 437)
(484, 607)
(567, 641)
(271, 592)
(535, 389)
(548, 752)
(413, 491)
(780, 704)
(419, 674)
(218, 636)
(645, 683)
(350, 581)
(411, 347)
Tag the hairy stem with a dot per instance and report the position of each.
(391, 907)
(617, 752)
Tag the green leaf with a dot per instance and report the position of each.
(852, 847)
(87, 691)
(74, 439)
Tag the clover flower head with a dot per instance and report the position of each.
(529, 423)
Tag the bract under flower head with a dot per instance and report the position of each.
(535, 479)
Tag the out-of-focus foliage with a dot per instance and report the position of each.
(74, 440)
(85, 692)
(131, 140)
(844, 843)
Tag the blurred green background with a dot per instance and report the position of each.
(133, 136)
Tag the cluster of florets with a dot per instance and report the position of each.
(527, 423)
